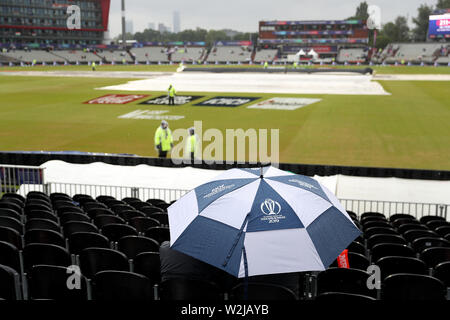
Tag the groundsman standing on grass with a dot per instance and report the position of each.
(171, 93)
(163, 139)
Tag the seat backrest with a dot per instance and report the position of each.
(433, 224)
(344, 280)
(11, 236)
(115, 231)
(104, 219)
(129, 214)
(93, 260)
(396, 264)
(442, 272)
(434, 255)
(9, 256)
(149, 265)
(343, 297)
(143, 223)
(44, 236)
(262, 291)
(77, 226)
(384, 238)
(421, 244)
(443, 230)
(99, 211)
(405, 286)
(42, 214)
(43, 224)
(11, 223)
(397, 216)
(121, 285)
(391, 249)
(50, 282)
(411, 226)
(413, 234)
(9, 289)
(131, 246)
(186, 289)
(73, 216)
(425, 219)
(65, 209)
(160, 234)
(5, 212)
(49, 254)
(379, 230)
(79, 241)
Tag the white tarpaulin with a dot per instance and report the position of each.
(344, 187)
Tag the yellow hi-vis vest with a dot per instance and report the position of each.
(191, 145)
(163, 137)
(172, 92)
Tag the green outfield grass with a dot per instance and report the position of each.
(173, 68)
(408, 129)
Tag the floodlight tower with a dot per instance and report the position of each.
(124, 44)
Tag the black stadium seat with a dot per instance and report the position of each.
(414, 234)
(104, 219)
(434, 256)
(411, 226)
(43, 224)
(405, 287)
(79, 241)
(11, 236)
(9, 256)
(9, 280)
(72, 227)
(421, 244)
(50, 282)
(379, 230)
(92, 213)
(44, 236)
(436, 224)
(391, 249)
(197, 290)
(344, 280)
(121, 286)
(143, 223)
(73, 217)
(115, 231)
(399, 222)
(163, 218)
(129, 214)
(5, 212)
(160, 234)
(149, 265)
(396, 264)
(443, 230)
(372, 214)
(11, 223)
(357, 247)
(384, 238)
(41, 214)
(93, 260)
(442, 272)
(397, 216)
(49, 254)
(343, 297)
(425, 219)
(131, 246)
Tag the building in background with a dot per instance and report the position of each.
(45, 22)
(151, 26)
(176, 22)
(129, 28)
(163, 28)
(325, 37)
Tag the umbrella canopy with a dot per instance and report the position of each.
(261, 221)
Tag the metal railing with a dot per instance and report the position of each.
(25, 178)
(118, 192)
(389, 208)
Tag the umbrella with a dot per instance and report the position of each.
(256, 221)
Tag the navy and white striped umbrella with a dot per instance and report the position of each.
(261, 221)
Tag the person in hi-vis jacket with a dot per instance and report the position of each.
(163, 139)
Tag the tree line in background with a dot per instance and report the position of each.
(399, 30)
(395, 31)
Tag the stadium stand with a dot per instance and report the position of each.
(27, 56)
(115, 56)
(413, 52)
(74, 56)
(114, 253)
(263, 55)
(232, 54)
(151, 54)
(352, 55)
(189, 54)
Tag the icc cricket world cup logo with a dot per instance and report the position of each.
(270, 207)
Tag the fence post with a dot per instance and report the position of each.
(135, 192)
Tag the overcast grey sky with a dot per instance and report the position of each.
(243, 15)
